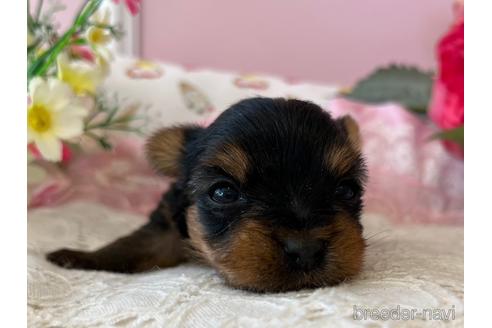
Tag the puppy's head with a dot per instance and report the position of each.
(275, 189)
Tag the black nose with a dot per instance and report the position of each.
(304, 254)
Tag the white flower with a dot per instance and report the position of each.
(99, 36)
(102, 17)
(96, 34)
(52, 115)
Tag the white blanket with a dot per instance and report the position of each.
(406, 267)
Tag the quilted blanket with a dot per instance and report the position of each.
(407, 267)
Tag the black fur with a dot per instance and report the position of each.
(287, 183)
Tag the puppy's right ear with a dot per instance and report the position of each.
(166, 148)
(352, 129)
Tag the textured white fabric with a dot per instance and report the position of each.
(410, 266)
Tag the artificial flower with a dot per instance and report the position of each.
(447, 105)
(83, 52)
(82, 76)
(103, 57)
(39, 51)
(96, 34)
(132, 5)
(52, 115)
(34, 152)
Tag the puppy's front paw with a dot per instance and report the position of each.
(69, 258)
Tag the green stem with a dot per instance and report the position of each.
(41, 65)
(29, 17)
(92, 116)
(110, 124)
(112, 113)
(86, 12)
(124, 129)
(100, 140)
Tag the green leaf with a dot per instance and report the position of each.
(90, 8)
(405, 85)
(79, 42)
(457, 135)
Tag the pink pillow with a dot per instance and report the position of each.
(411, 179)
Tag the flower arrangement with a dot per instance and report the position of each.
(438, 96)
(64, 72)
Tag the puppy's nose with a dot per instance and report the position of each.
(304, 254)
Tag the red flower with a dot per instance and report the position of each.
(447, 105)
(132, 5)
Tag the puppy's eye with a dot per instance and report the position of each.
(224, 193)
(345, 191)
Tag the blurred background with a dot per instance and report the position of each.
(335, 41)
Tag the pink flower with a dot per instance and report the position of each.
(447, 104)
(83, 52)
(132, 5)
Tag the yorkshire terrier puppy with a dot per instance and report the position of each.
(270, 195)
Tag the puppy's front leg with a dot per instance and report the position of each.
(157, 244)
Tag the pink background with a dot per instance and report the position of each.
(318, 40)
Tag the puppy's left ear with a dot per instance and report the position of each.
(352, 129)
(167, 147)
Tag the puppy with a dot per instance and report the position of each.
(270, 195)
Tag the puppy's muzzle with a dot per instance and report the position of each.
(304, 254)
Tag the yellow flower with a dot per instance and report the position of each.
(52, 115)
(96, 35)
(40, 50)
(82, 76)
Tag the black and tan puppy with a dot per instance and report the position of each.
(269, 195)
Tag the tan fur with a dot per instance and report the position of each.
(346, 248)
(232, 159)
(164, 150)
(353, 131)
(254, 258)
(341, 159)
(197, 239)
